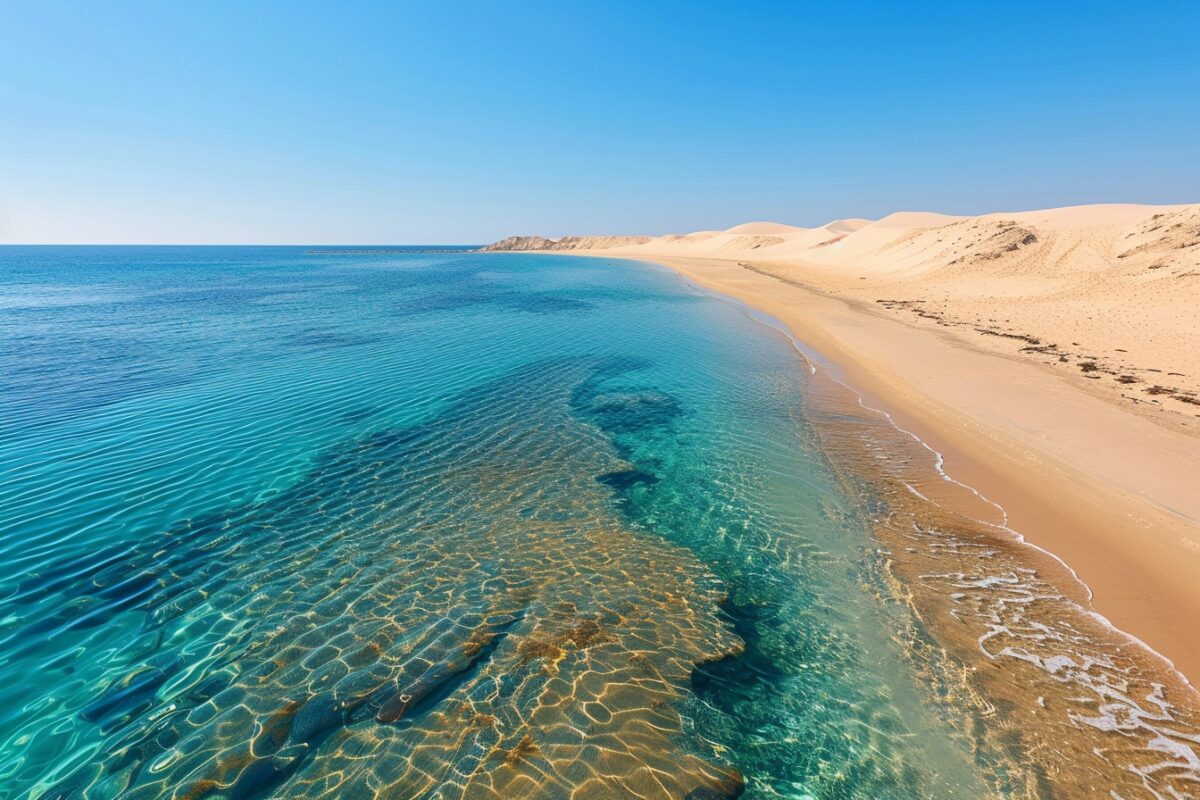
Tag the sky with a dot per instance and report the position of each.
(461, 122)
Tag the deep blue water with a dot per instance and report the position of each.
(278, 524)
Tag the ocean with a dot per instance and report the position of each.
(423, 522)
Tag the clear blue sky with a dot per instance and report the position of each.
(464, 122)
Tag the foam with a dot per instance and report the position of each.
(1119, 713)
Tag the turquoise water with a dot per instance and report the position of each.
(429, 524)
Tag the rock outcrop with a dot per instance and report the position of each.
(521, 243)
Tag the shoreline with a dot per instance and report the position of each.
(1067, 471)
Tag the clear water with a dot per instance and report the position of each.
(278, 524)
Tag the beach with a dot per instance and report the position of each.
(527, 524)
(1050, 357)
(455, 403)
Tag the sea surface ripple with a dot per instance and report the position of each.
(401, 524)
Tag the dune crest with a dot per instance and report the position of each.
(763, 228)
(848, 225)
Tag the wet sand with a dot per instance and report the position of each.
(1111, 493)
(1054, 700)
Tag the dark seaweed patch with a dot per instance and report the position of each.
(722, 682)
(626, 479)
(638, 410)
(132, 693)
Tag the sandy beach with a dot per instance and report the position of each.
(1052, 357)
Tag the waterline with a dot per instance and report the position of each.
(481, 525)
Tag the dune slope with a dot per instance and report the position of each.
(1107, 293)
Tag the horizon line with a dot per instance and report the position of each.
(242, 244)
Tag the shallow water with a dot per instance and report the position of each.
(444, 525)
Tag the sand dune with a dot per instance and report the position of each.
(848, 225)
(763, 227)
(1108, 293)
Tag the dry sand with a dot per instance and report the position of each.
(1053, 357)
